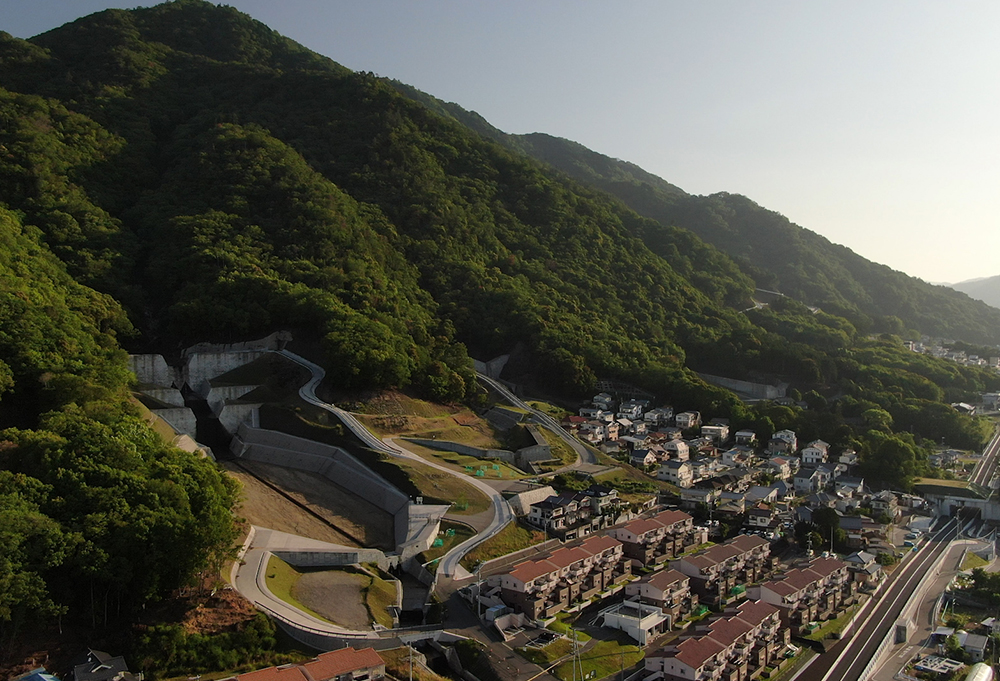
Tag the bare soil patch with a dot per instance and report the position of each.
(264, 507)
(337, 595)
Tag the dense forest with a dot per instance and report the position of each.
(777, 254)
(182, 173)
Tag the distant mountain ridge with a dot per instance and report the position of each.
(986, 289)
(775, 252)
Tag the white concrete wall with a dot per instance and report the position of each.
(219, 395)
(232, 415)
(152, 370)
(181, 419)
(204, 366)
(166, 395)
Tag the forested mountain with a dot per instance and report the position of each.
(986, 290)
(774, 252)
(182, 173)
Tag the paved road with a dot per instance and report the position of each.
(502, 514)
(986, 469)
(584, 456)
(848, 660)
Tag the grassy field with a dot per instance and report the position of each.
(463, 463)
(461, 533)
(379, 595)
(543, 657)
(397, 663)
(513, 537)
(560, 449)
(833, 626)
(972, 561)
(558, 413)
(604, 659)
(563, 624)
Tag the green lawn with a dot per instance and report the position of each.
(280, 579)
(513, 537)
(543, 657)
(972, 561)
(833, 626)
(562, 626)
(460, 533)
(604, 659)
(379, 596)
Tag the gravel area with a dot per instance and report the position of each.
(336, 595)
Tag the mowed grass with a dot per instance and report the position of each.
(545, 656)
(461, 463)
(604, 659)
(513, 537)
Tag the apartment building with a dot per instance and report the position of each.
(542, 587)
(658, 538)
(817, 591)
(669, 590)
(735, 646)
(720, 572)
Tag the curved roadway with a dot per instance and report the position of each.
(502, 514)
(583, 455)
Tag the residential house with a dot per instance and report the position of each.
(603, 401)
(641, 458)
(757, 494)
(746, 437)
(788, 436)
(659, 416)
(688, 419)
(849, 485)
(812, 456)
(760, 516)
(678, 449)
(567, 516)
(809, 480)
(780, 467)
(97, 665)
(718, 433)
(676, 472)
(632, 410)
(848, 457)
(603, 499)
(691, 497)
(595, 413)
(865, 568)
(885, 502)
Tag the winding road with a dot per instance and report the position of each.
(502, 514)
(583, 454)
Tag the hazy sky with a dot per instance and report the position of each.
(876, 124)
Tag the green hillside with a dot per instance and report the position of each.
(182, 173)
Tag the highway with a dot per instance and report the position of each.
(583, 454)
(850, 659)
(986, 469)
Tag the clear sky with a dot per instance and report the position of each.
(874, 123)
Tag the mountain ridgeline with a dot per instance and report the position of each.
(775, 253)
(182, 173)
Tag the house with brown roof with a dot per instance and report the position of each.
(719, 572)
(668, 589)
(658, 538)
(734, 646)
(346, 664)
(544, 586)
(820, 590)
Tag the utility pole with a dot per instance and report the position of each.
(410, 646)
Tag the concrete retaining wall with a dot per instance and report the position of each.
(152, 370)
(170, 396)
(232, 415)
(218, 396)
(759, 390)
(468, 450)
(203, 366)
(333, 463)
(334, 558)
(181, 419)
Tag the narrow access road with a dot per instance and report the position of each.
(583, 454)
(502, 513)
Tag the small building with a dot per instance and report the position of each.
(643, 622)
(688, 419)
